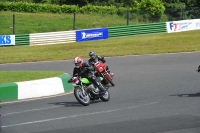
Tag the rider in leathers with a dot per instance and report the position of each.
(95, 58)
(198, 70)
(85, 70)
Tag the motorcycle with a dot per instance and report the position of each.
(0, 120)
(198, 70)
(100, 68)
(84, 91)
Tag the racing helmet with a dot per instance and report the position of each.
(92, 54)
(78, 61)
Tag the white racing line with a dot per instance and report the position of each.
(32, 99)
(12, 113)
(78, 115)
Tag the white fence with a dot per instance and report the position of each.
(52, 38)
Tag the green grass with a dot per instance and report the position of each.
(26, 23)
(17, 76)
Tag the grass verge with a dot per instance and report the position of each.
(17, 76)
(27, 23)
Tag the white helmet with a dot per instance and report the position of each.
(78, 61)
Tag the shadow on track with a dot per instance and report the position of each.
(73, 104)
(188, 95)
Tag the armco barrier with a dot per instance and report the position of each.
(22, 39)
(129, 30)
(70, 36)
(52, 38)
(35, 88)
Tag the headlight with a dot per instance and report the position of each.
(75, 80)
(100, 69)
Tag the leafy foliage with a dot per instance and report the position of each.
(98, 9)
(144, 10)
(151, 9)
(33, 7)
(182, 9)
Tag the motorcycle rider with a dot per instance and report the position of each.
(94, 58)
(85, 70)
(198, 70)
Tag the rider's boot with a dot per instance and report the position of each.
(102, 89)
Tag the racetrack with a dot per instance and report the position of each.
(153, 94)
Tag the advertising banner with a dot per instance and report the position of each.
(184, 25)
(91, 34)
(7, 40)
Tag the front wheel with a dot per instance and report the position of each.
(109, 80)
(81, 98)
(105, 97)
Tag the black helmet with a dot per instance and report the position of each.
(91, 54)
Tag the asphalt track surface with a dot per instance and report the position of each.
(153, 94)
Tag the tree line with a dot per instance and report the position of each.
(117, 3)
(156, 8)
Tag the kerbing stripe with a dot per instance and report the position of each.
(67, 86)
(8, 92)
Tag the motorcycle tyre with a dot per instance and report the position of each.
(76, 89)
(104, 82)
(105, 99)
(109, 80)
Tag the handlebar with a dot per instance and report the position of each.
(69, 81)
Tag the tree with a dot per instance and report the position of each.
(192, 9)
(182, 9)
(152, 10)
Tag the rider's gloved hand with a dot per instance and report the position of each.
(69, 81)
(75, 75)
(85, 69)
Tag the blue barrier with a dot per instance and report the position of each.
(7, 40)
(91, 34)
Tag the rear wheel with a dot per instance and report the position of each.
(81, 98)
(109, 80)
(105, 97)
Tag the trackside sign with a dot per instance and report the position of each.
(184, 25)
(91, 34)
(7, 40)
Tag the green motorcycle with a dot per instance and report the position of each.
(84, 91)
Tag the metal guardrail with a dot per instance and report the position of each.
(138, 29)
(52, 38)
(71, 36)
(22, 39)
